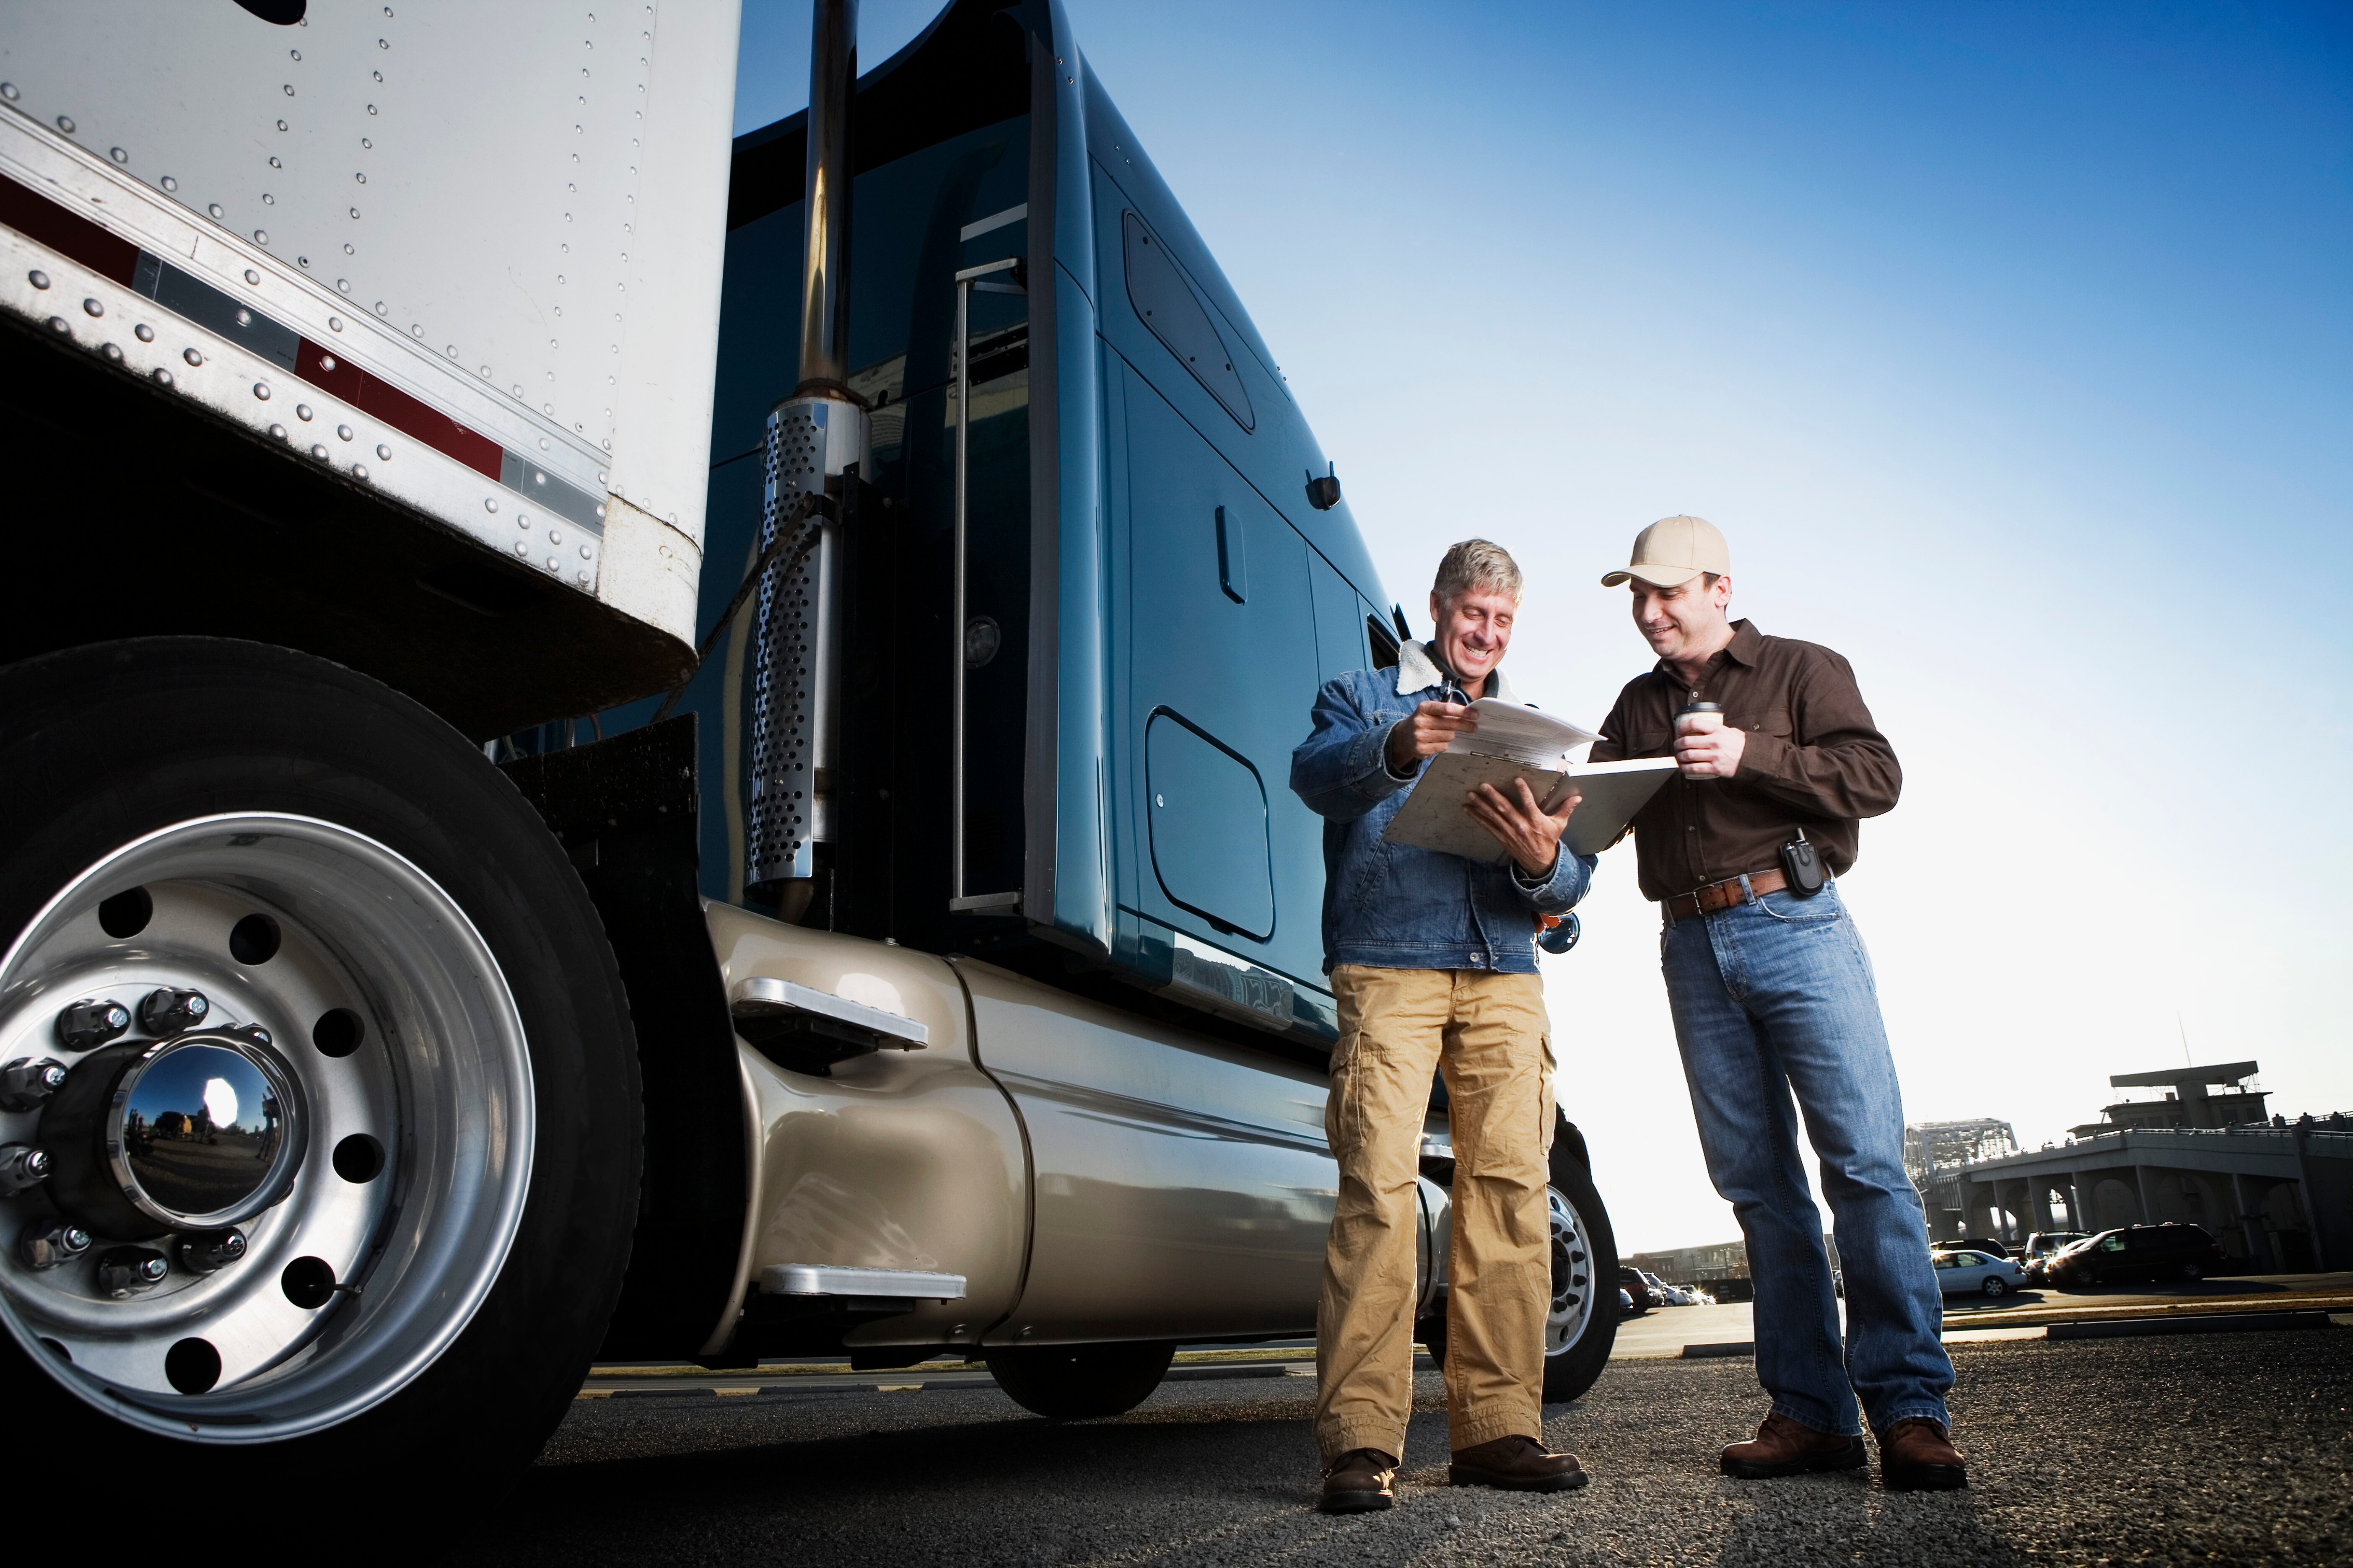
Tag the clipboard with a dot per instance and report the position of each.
(1435, 818)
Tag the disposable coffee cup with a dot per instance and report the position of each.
(1699, 718)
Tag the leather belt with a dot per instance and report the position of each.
(1724, 895)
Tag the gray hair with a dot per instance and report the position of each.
(1476, 566)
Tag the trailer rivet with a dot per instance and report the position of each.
(380, 309)
(244, 317)
(586, 553)
(37, 278)
(118, 155)
(320, 452)
(359, 470)
(261, 390)
(60, 324)
(170, 184)
(113, 354)
(344, 431)
(583, 577)
(251, 276)
(361, 178)
(162, 376)
(268, 200)
(355, 212)
(143, 333)
(303, 411)
(278, 432)
(192, 356)
(342, 285)
(383, 453)
(334, 323)
(486, 373)
(522, 547)
(326, 362)
(8, 91)
(555, 536)
(66, 124)
(542, 443)
(214, 209)
(554, 565)
(523, 521)
(517, 389)
(281, 126)
(491, 503)
(93, 307)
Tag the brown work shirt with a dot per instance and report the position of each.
(1813, 760)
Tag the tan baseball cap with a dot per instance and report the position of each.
(1675, 550)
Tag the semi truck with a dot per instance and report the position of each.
(620, 740)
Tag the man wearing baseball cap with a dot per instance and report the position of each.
(1773, 997)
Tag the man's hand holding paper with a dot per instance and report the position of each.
(1529, 834)
(1428, 732)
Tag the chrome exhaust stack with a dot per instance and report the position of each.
(813, 436)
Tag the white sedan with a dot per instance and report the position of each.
(1975, 1273)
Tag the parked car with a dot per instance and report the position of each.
(1667, 1295)
(2139, 1252)
(1625, 1304)
(1974, 1271)
(2042, 1246)
(1632, 1282)
(1985, 1244)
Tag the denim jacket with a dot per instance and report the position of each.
(1392, 906)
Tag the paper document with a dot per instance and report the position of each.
(1523, 734)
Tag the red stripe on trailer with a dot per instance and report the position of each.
(324, 369)
(60, 229)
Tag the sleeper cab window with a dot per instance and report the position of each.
(1156, 286)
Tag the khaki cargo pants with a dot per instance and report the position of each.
(1488, 1033)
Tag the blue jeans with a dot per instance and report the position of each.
(1776, 996)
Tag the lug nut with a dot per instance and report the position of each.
(202, 1251)
(48, 1246)
(167, 1011)
(127, 1270)
(22, 1166)
(91, 1023)
(25, 1082)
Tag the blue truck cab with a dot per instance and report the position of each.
(1158, 582)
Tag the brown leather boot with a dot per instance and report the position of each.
(1357, 1482)
(1917, 1455)
(1787, 1447)
(1517, 1465)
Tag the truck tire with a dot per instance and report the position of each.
(1582, 1326)
(1073, 1383)
(414, 1031)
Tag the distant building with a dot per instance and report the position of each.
(2187, 1102)
(2277, 1195)
(1721, 1270)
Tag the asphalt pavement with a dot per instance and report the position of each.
(2209, 1448)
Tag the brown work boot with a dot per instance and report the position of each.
(1517, 1465)
(1916, 1455)
(1357, 1482)
(1787, 1447)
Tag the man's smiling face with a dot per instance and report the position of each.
(1473, 631)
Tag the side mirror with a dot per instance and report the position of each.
(1324, 494)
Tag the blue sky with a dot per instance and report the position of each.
(2009, 344)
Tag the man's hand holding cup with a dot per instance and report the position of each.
(1705, 746)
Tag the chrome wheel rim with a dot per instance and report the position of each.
(1571, 1308)
(389, 1013)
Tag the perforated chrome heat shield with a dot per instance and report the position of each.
(794, 662)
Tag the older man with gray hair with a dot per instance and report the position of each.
(1432, 959)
